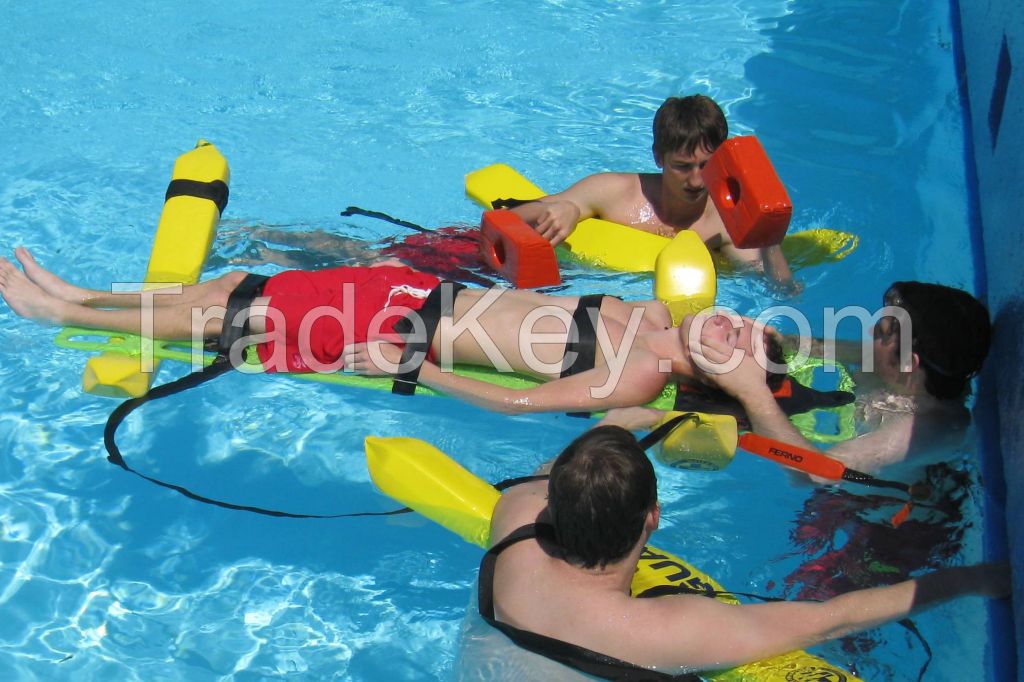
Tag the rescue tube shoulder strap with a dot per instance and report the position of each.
(575, 656)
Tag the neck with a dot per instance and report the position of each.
(666, 343)
(615, 577)
(678, 212)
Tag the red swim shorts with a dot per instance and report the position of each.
(312, 316)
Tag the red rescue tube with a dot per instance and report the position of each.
(513, 248)
(748, 194)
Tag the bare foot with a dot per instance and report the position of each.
(47, 281)
(26, 298)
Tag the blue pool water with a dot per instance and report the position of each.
(386, 105)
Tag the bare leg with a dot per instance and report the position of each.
(95, 298)
(169, 321)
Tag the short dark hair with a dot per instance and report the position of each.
(773, 351)
(686, 123)
(599, 493)
(951, 333)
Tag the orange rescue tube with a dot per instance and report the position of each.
(514, 249)
(748, 194)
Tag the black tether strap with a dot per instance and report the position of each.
(216, 191)
(572, 655)
(377, 215)
(659, 433)
(439, 303)
(238, 303)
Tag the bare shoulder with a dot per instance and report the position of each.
(602, 189)
(519, 505)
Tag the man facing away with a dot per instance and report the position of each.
(687, 130)
(568, 577)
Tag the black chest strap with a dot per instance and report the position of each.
(439, 303)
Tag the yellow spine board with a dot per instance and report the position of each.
(683, 267)
(182, 242)
(418, 475)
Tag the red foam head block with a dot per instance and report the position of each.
(748, 194)
(514, 249)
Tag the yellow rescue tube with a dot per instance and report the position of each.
(703, 442)
(418, 475)
(684, 272)
(188, 224)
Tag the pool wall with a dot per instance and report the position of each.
(990, 48)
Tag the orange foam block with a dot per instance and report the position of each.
(748, 194)
(514, 249)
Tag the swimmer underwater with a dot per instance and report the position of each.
(564, 551)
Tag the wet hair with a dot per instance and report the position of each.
(951, 334)
(773, 351)
(684, 123)
(600, 490)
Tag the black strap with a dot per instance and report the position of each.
(662, 431)
(581, 346)
(216, 191)
(510, 203)
(802, 399)
(582, 659)
(355, 210)
(236, 326)
(377, 215)
(439, 303)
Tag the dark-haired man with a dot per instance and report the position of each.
(687, 130)
(928, 342)
(564, 553)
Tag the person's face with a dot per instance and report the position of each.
(734, 331)
(681, 173)
(888, 342)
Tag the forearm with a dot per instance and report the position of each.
(768, 419)
(869, 608)
(480, 393)
(776, 267)
(842, 351)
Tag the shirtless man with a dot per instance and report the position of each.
(928, 343)
(329, 319)
(571, 583)
(687, 130)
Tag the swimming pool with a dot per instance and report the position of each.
(386, 105)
